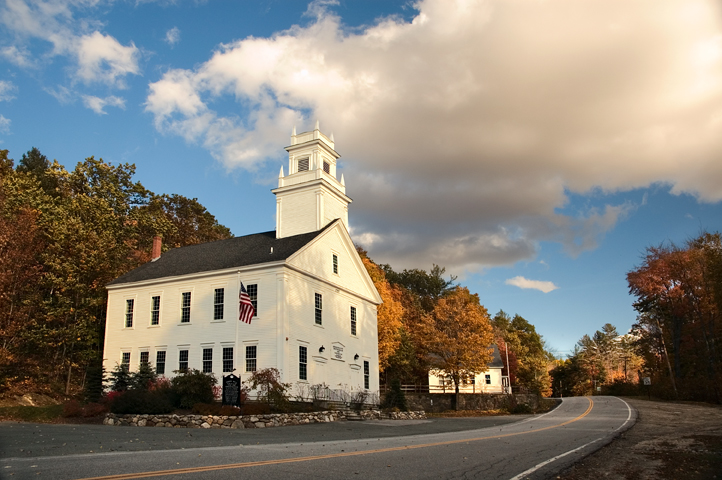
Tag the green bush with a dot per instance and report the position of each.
(521, 408)
(120, 379)
(395, 397)
(144, 377)
(191, 387)
(142, 402)
(94, 378)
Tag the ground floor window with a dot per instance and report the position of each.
(302, 363)
(367, 372)
(227, 359)
(207, 360)
(125, 359)
(160, 362)
(183, 360)
(144, 357)
(251, 358)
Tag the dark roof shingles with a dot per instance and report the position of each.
(219, 255)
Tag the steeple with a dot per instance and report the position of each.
(310, 197)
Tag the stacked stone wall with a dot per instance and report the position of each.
(250, 421)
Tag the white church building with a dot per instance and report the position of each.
(315, 304)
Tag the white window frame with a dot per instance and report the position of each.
(160, 308)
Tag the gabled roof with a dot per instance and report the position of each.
(219, 255)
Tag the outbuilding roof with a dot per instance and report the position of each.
(220, 255)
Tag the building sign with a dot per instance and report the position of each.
(337, 351)
(231, 391)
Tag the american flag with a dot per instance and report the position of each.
(245, 308)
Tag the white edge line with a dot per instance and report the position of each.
(537, 467)
(629, 415)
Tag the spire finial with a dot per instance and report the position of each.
(293, 133)
(280, 174)
(332, 138)
(343, 182)
(316, 126)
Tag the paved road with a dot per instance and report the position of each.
(485, 447)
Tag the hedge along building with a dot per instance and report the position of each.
(314, 302)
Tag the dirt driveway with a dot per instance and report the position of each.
(669, 441)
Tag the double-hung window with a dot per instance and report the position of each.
(302, 363)
(366, 374)
(319, 309)
(160, 362)
(353, 321)
(125, 360)
(155, 310)
(487, 379)
(129, 304)
(252, 291)
(227, 359)
(183, 360)
(218, 304)
(207, 360)
(144, 357)
(186, 307)
(251, 358)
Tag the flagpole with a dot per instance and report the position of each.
(236, 352)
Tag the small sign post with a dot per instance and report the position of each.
(231, 391)
(647, 382)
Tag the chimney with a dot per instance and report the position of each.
(155, 255)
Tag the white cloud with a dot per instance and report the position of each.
(464, 130)
(172, 36)
(98, 104)
(100, 58)
(525, 283)
(7, 90)
(4, 124)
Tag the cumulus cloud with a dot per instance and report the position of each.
(98, 104)
(525, 283)
(172, 36)
(99, 58)
(465, 130)
(7, 90)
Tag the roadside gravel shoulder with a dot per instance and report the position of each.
(670, 440)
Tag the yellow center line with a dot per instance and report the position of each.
(179, 471)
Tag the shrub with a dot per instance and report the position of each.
(521, 408)
(94, 410)
(120, 378)
(72, 409)
(144, 377)
(270, 389)
(141, 401)
(216, 409)
(254, 408)
(191, 387)
(395, 397)
(94, 378)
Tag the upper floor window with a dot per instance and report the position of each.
(155, 310)
(186, 307)
(319, 309)
(207, 360)
(303, 164)
(218, 304)
(129, 303)
(335, 263)
(252, 291)
(326, 167)
(353, 321)
(487, 379)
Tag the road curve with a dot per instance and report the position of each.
(535, 448)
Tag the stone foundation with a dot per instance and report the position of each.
(250, 421)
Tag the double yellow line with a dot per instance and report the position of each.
(179, 471)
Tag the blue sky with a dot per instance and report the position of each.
(535, 149)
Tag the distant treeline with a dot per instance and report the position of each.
(429, 323)
(677, 338)
(63, 236)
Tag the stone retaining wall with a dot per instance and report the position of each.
(250, 421)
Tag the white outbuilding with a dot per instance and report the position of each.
(314, 302)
